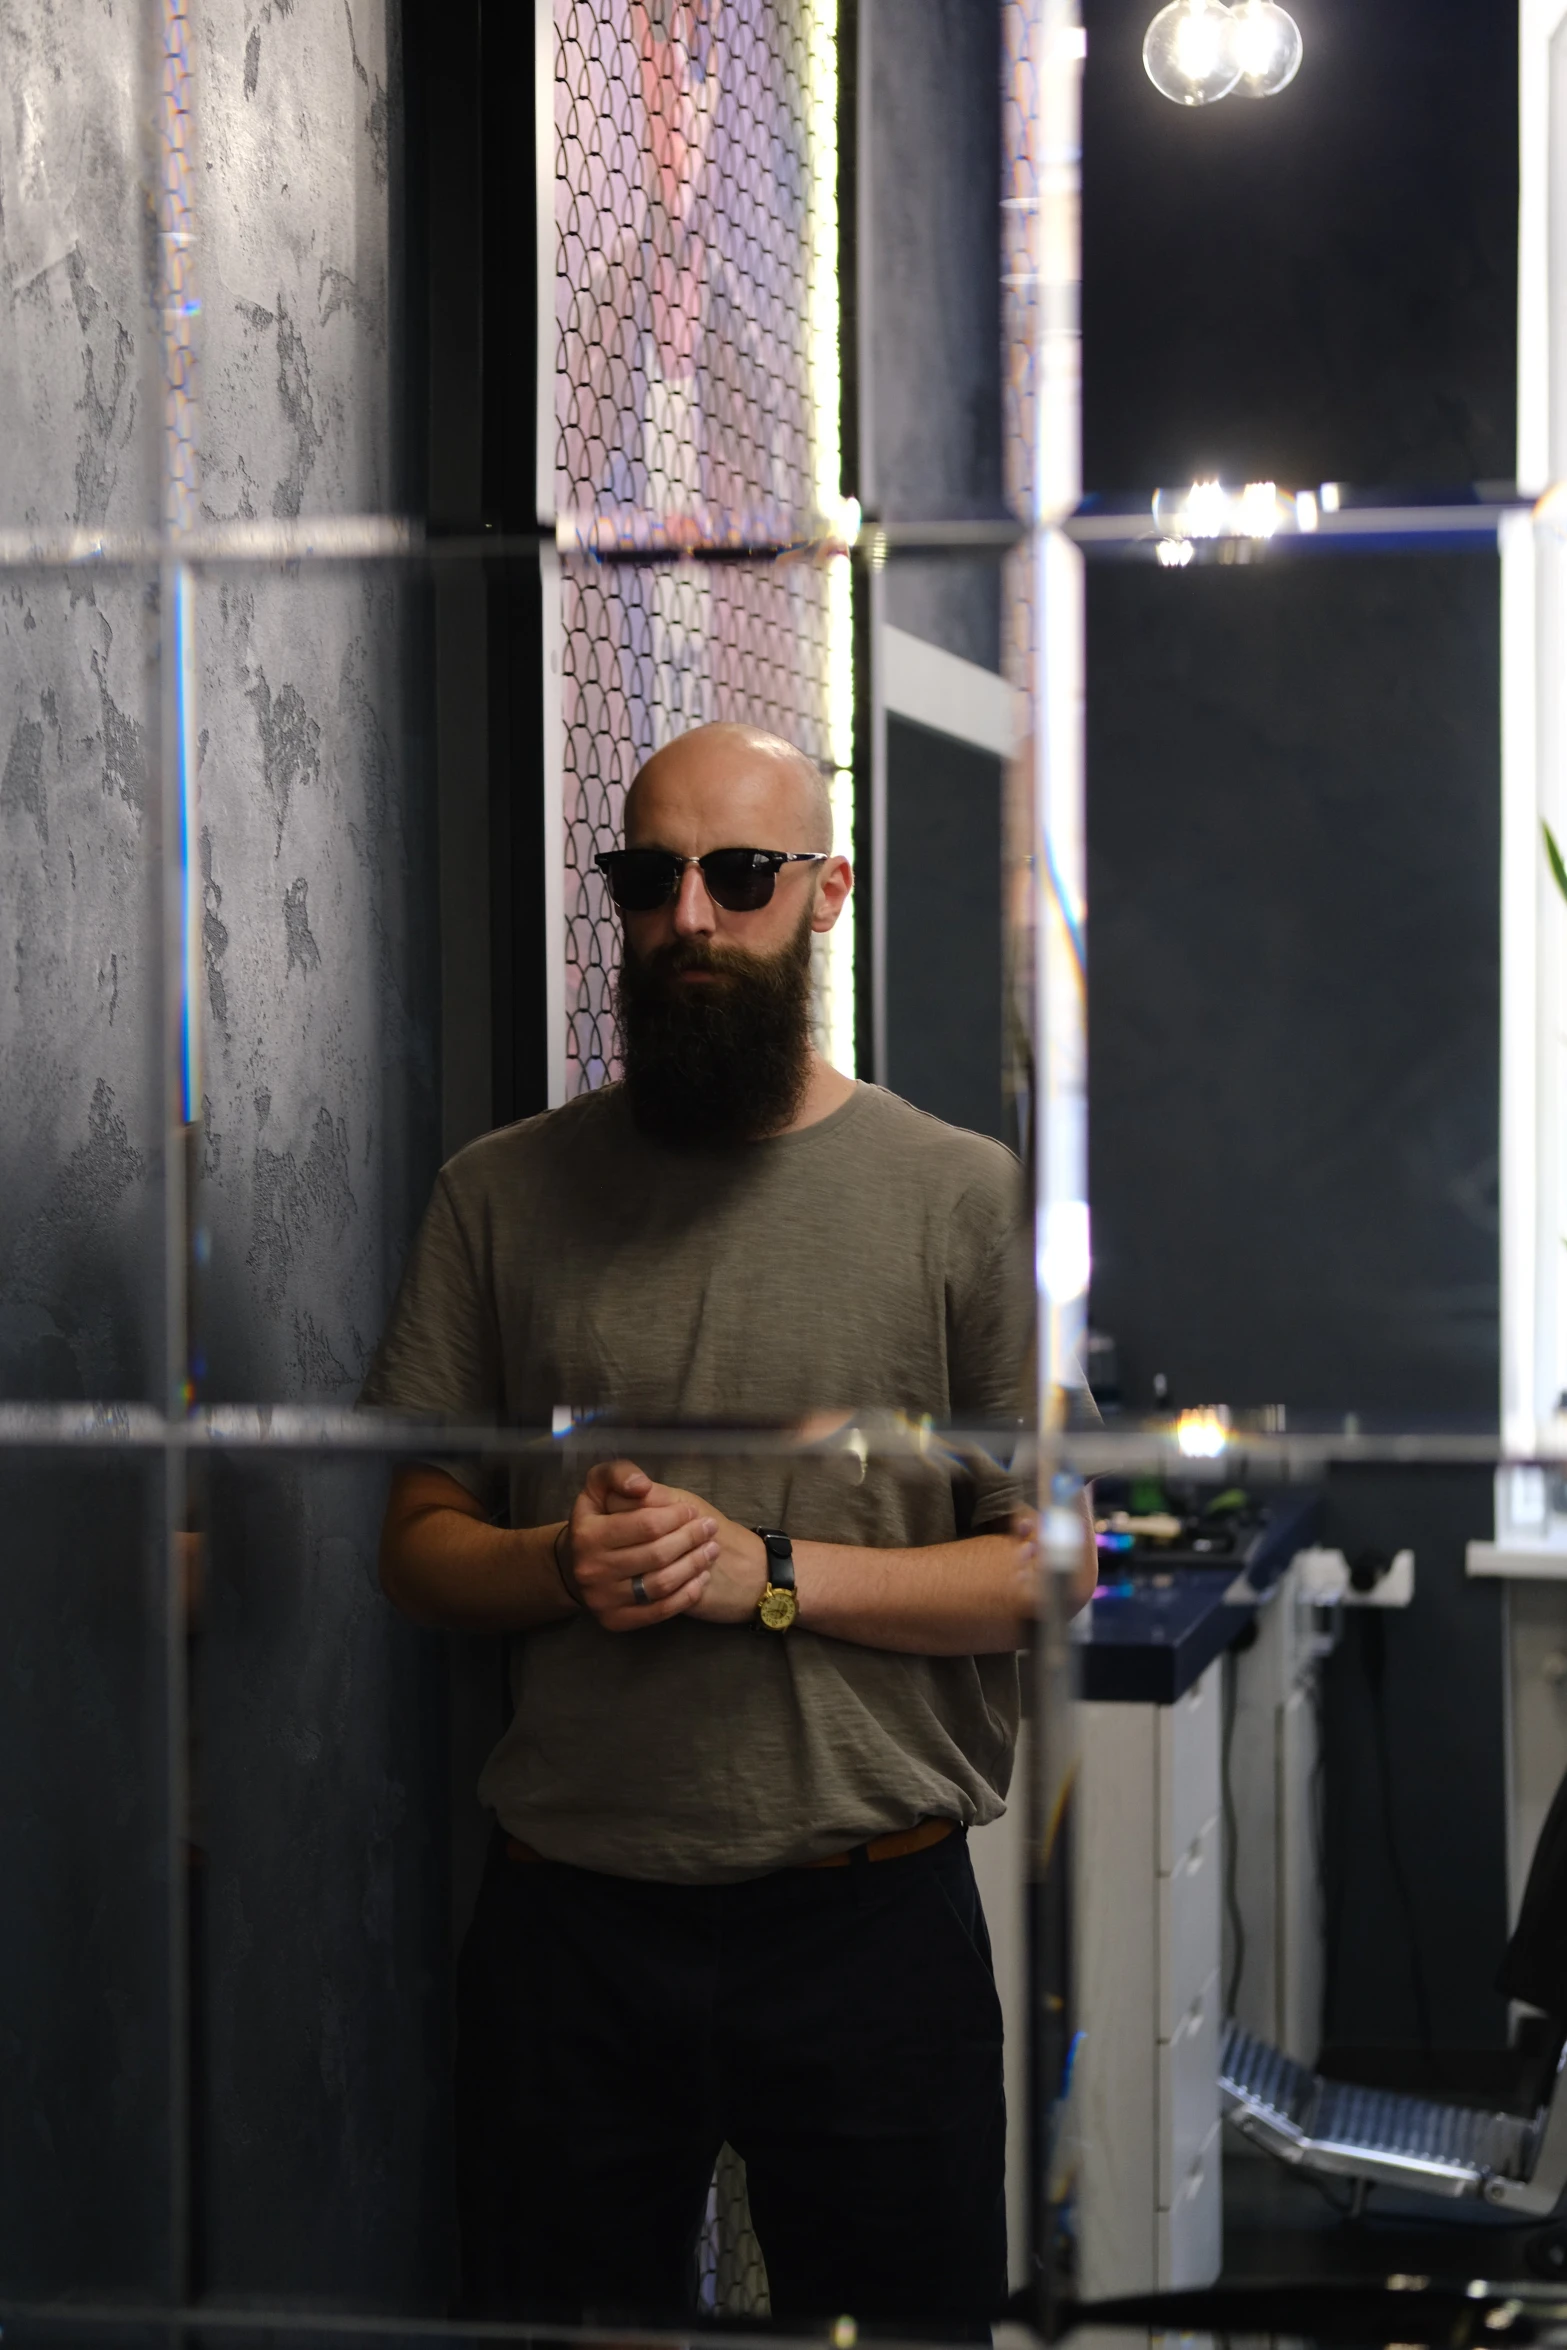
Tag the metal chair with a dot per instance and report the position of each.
(1378, 2137)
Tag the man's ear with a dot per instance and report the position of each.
(832, 890)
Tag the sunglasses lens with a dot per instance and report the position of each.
(640, 879)
(739, 880)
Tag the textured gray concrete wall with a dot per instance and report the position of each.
(315, 843)
(84, 2139)
(80, 1138)
(324, 1784)
(320, 1768)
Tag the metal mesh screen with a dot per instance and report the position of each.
(731, 2273)
(685, 204)
(689, 391)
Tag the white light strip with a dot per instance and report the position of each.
(825, 386)
(1062, 1236)
(1538, 20)
(1521, 854)
(1533, 919)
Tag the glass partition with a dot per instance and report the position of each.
(303, 794)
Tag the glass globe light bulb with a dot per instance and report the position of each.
(1268, 47)
(1189, 52)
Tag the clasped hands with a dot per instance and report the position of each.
(690, 1558)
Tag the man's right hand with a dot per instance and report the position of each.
(613, 1535)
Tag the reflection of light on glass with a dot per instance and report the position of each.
(1550, 511)
(1206, 513)
(183, 661)
(1207, 510)
(1268, 48)
(180, 310)
(823, 366)
(1328, 497)
(1257, 510)
(1174, 554)
(1189, 52)
(1203, 1434)
(1065, 1260)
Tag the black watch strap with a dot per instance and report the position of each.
(780, 1557)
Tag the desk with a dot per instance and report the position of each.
(1146, 2088)
(1148, 1861)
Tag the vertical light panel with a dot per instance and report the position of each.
(1042, 64)
(1520, 1063)
(1044, 51)
(824, 377)
(1529, 1525)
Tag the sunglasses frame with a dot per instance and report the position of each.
(775, 859)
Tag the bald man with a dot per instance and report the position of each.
(757, 1700)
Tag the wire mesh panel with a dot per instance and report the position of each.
(696, 409)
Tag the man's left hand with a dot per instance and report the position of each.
(737, 1578)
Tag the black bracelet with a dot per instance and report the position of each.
(560, 1564)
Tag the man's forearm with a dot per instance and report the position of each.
(443, 1563)
(969, 1598)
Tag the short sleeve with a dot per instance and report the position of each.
(440, 1349)
(990, 1329)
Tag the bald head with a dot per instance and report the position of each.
(739, 786)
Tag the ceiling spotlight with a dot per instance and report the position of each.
(1189, 52)
(1197, 51)
(1268, 47)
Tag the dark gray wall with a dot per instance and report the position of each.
(86, 2143)
(81, 1139)
(944, 884)
(1293, 843)
(85, 2138)
(318, 1887)
(1424, 1690)
(1293, 883)
(322, 1757)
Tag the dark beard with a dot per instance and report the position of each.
(726, 1061)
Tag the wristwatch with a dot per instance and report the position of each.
(778, 1606)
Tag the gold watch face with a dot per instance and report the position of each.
(776, 1608)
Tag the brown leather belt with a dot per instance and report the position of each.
(897, 1846)
(901, 1842)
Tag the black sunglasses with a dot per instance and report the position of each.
(739, 880)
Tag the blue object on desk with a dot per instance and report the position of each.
(1148, 1634)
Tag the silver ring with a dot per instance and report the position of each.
(638, 1592)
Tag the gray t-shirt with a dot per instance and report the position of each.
(871, 1261)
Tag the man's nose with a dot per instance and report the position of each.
(694, 915)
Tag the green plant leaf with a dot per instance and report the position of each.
(1554, 858)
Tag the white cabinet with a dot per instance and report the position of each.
(1148, 1864)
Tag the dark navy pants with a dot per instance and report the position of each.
(839, 2027)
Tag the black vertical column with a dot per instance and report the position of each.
(473, 302)
(513, 173)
